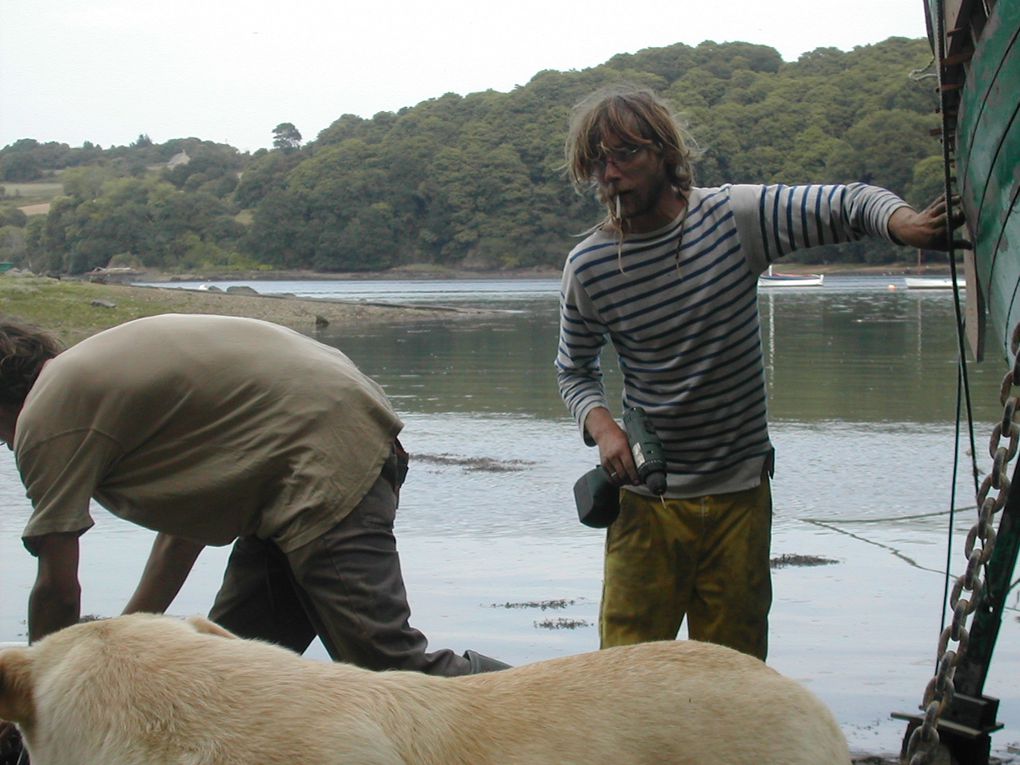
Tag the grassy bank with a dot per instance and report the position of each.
(74, 309)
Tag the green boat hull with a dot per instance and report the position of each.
(981, 93)
(976, 45)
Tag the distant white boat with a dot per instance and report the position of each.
(931, 282)
(771, 279)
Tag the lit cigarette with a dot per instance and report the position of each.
(618, 207)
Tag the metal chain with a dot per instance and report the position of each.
(939, 693)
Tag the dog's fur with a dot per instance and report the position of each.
(152, 690)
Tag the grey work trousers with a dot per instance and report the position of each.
(346, 587)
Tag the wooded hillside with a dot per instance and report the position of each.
(474, 181)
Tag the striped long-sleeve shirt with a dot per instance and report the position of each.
(683, 317)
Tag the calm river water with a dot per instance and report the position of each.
(863, 390)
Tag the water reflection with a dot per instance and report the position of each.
(867, 356)
(853, 351)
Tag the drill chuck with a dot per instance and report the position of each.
(646, 448)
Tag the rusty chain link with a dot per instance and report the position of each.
(939, 693)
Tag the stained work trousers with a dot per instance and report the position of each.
(346, 587)
(706, 558)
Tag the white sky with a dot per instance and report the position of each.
(231, 70)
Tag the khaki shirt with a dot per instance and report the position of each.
(203, 427)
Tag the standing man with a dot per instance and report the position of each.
(212, 430)
(669, 276)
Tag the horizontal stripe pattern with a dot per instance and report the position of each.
(682, 315)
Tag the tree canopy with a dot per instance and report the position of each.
(478, 181)
(286, 136)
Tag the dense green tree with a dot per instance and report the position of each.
(13, 248)
(928, 181)
(266, 172)
(86, 183)
(28, 160)
(210, 169)
(881, 154)
(37, 258)
(20, 167)
(147, 218)
(279, 234)
(12, 216)
(286, 136)
(366, 242)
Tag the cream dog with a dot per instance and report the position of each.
(152, 690)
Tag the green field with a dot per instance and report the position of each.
(34, 192)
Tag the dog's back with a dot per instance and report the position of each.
(156, 691)
(685, 703)
(150, 690)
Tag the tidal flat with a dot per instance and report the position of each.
(74, 309)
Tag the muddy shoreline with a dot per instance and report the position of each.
(74, 309)
(424, 273)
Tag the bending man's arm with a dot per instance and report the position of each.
(55, 601)
(170, 561)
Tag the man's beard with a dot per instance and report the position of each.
(633, 203)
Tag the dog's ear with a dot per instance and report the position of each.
(206, 627)
(16, 700)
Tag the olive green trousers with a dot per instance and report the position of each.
(706, 558)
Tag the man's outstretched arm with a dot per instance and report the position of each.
(928, 229)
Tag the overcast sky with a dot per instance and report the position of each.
(231, 70)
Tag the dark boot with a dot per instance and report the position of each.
(481, 663)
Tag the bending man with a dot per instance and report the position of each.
(214, 430)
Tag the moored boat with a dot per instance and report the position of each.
(932, 282)
(772, 279)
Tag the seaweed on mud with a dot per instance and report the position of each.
(542, 604)
(480, 464)
(796, 559)
(562, 624)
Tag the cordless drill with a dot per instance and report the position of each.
(598, 498)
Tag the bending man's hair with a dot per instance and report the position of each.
(637, 117)
(23, 351)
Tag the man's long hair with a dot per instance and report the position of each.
(637, 117)
(23, 351)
